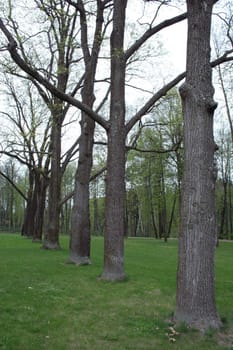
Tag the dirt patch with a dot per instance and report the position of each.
(225, 339)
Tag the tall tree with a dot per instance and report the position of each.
(12, 200)
(61, 34)
(26, 141)
(117, 131)
(224, 185)
(115, 181)
(80, 223)
(153, 171)
(197, 240)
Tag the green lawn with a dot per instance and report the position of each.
(48, 304)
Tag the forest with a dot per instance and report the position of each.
(103, 135)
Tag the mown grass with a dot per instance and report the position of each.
(48, 304)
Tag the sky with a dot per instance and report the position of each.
(173, 37)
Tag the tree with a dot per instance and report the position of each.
(117, 131)
(66, 203)
(97, 192)
(197, 240)
(12, 197)
(115, 180)
(26, 141)
(224, 185)
(154, 167)
(80, 223)
(57, 32)
(61, 35)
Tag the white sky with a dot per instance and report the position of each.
(173, 37)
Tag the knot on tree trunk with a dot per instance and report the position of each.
(211, 106)
(185, 89)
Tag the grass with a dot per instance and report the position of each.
(47, 304)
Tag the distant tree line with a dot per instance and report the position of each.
(153, 181)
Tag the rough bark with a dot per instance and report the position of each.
(115, 180)
(58, 111)
(35, 205)
(30, 210)
(51, 238)
(96, 219)
(195, 281)
(40, 208)
(152, 209)
(80, 224)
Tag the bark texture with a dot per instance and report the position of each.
(195, 283)
(62, 34)
(115, 181)
(51, 239)
(34, 212)
(40, 191)
(80, 225)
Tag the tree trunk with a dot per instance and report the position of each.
(229, 233)
(80, 224)
(30, 210)
(115, 180)
(195, 280)
(172, 213)
(151, 195)
(58, 111)
(163, 205)
(96, 219)
(40, 208)
(132, 213)
(51, 239)
(223, 218)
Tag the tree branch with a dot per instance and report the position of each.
(92, 178)
(161, 151)
(150, 103)
(152, 31)
(12, 48)
(163, 91)
(13, 185)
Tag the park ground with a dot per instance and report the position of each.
(48, 304)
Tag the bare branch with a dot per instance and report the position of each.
(12, 48)
(92, 178)
(152, 31)
(13, 185)
(163, 91)
(69, 154)
(158, 151)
